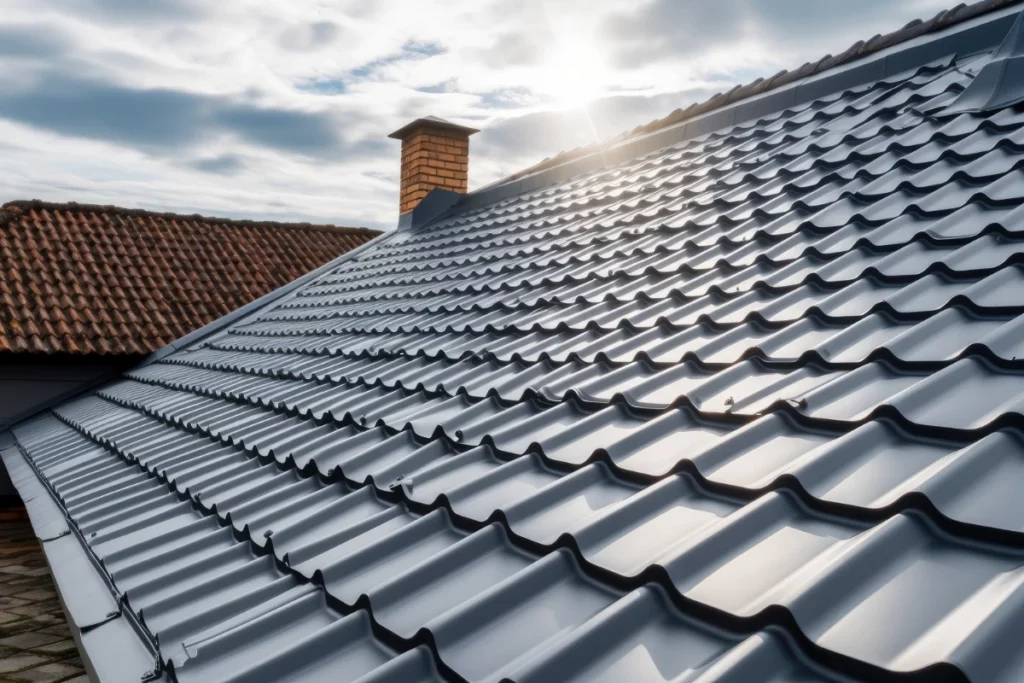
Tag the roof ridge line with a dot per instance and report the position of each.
(10, 210)
(786, 77)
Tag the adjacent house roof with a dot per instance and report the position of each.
(80, 279)
(744, 407)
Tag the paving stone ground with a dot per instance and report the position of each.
(35, 643)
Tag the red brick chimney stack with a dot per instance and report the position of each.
(435, 154)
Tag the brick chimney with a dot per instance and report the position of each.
(435, 154)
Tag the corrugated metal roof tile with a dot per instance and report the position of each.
(743, 408)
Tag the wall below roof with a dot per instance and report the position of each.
(29, 384)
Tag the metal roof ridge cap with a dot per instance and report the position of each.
(250, 308)
(664, 137)
(978, 12)
(997, 84)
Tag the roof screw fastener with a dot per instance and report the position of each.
(268, 533)
(730, 401)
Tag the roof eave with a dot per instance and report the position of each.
(110, 641)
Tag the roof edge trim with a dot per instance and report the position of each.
(97, 642)
(970, 37)
(45, 514)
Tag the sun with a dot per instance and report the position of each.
(571, 74)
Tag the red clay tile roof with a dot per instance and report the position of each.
(84, 279)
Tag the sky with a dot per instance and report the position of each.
(280, 109)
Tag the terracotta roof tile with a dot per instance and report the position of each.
(84, 279)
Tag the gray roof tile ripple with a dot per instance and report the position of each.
(746, 408)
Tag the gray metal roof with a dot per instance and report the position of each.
(743, 408)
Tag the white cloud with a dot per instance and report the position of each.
(281, 109)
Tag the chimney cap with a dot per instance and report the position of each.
(431, 122)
